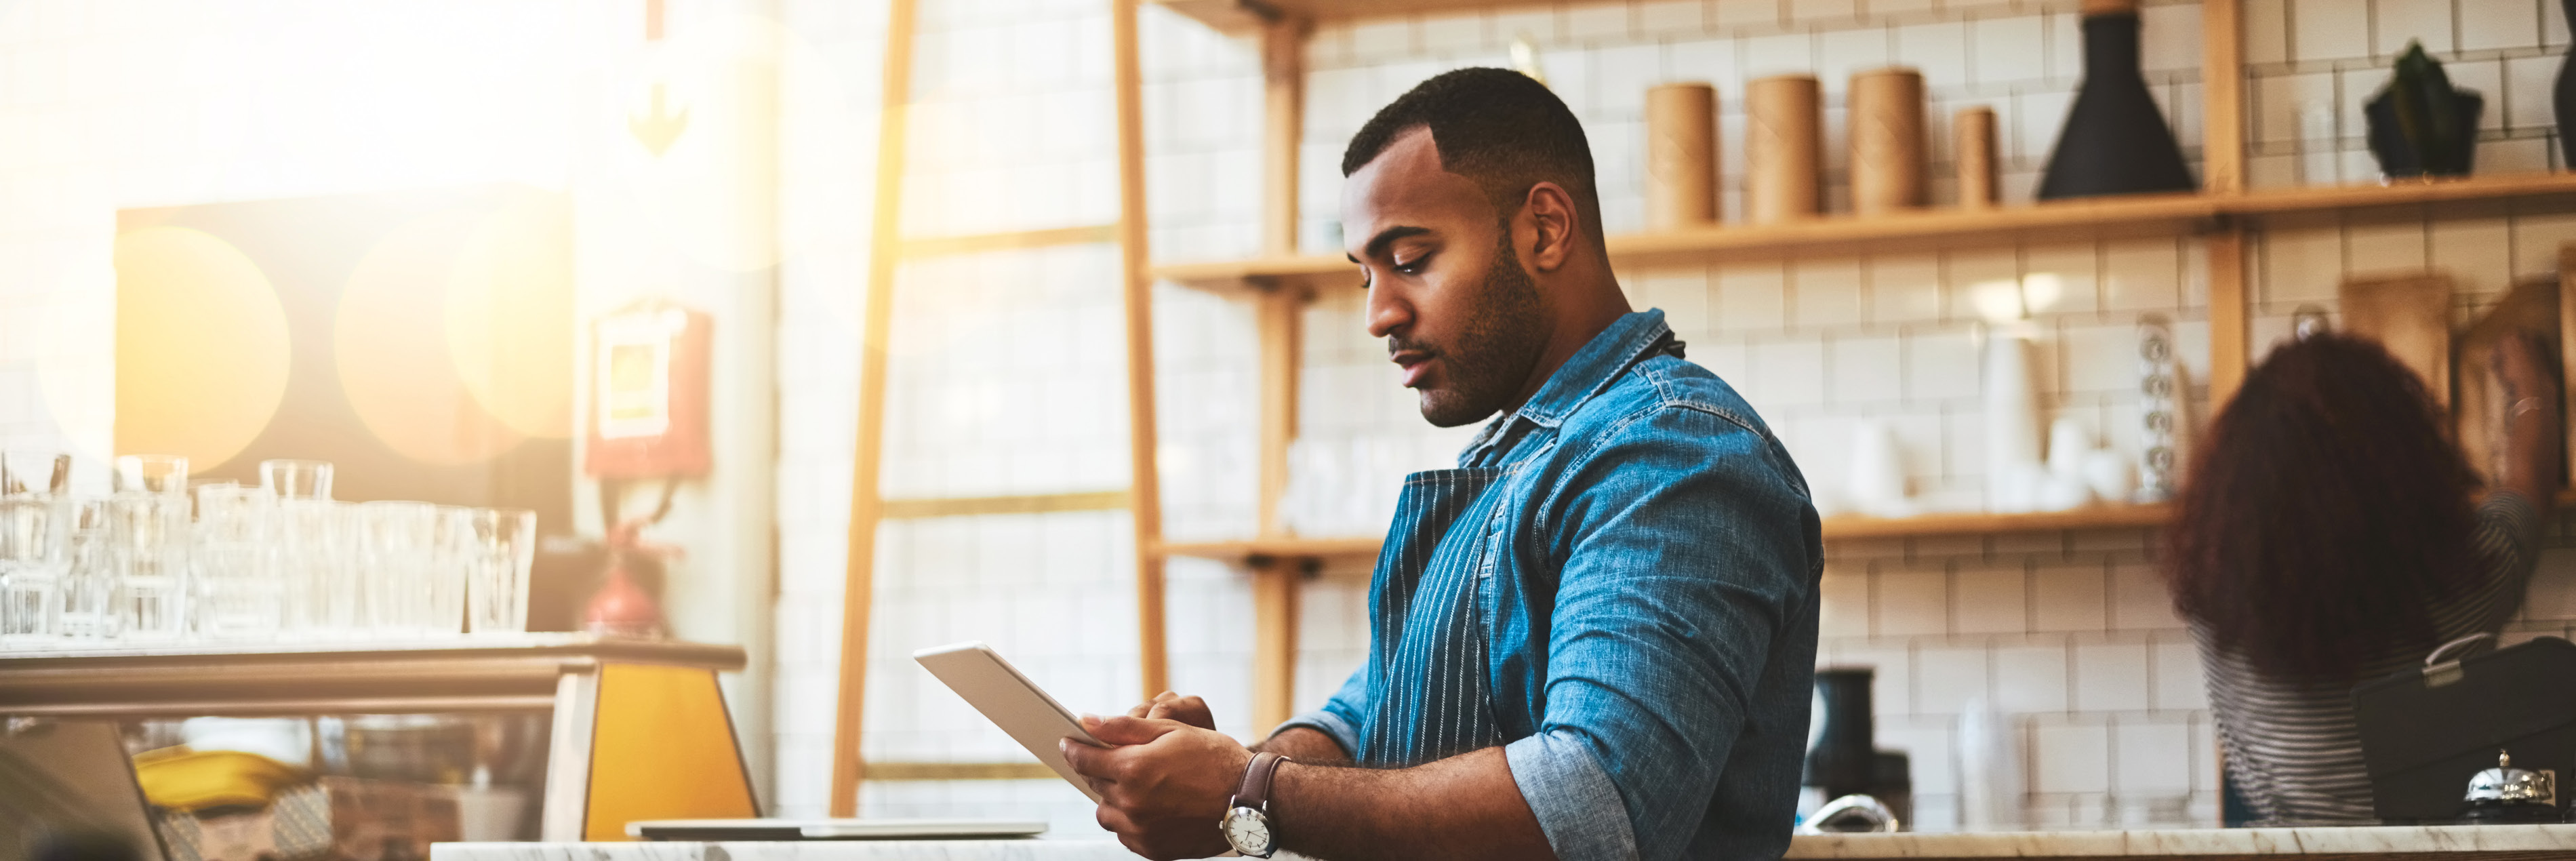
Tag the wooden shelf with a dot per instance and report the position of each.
(1246, 549)
(1980, 523)
(2060, 221)
(1240, 17)
(1836, 529)
(2556, 191)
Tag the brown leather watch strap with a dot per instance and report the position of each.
(1255, 791)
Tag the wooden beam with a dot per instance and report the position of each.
(876, 325)
(2222, 143)
(1278, 313)
(967, 506)
(1276, 317)
(1274, 642)
(1137, 287)
(1275, 581)
(940, 246)
(2229, 352)
(1283, 98)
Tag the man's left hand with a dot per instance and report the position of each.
(1163, 784)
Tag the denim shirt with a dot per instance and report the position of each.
(1618, 586)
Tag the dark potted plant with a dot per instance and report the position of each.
(2420, 125)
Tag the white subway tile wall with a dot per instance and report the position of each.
(823, 183)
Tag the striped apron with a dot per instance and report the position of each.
(1428, 658)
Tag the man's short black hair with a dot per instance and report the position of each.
(1496, 127)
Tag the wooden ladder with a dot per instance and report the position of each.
(868, 507)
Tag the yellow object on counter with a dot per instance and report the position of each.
(664, 749)
(187, 780)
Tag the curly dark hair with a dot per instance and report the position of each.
(2325, 515)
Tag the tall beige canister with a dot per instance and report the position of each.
(1783, 149)
(1978, 177)
(1681, 156)
(1886, 140)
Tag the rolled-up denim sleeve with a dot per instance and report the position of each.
(1573, 799)
(1341, 716)
(1685, 552)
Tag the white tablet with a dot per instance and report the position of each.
(1010, 701)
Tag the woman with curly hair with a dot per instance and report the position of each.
(2330, 534)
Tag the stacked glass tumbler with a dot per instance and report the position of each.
(281, 559)
(148, 536)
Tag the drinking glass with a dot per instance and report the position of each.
(238, 593)
(32, 471)
(149, 534)
(31, 568)
(451, 569)
(314, 568)
(501, 547)
(89, 581)
(296, 479)
(152, 473)
(398, 556)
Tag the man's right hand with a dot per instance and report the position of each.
(1302, 744)
(1172, 706)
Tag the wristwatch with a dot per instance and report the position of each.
(1247, 816)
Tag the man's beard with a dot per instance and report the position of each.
(1494, 354)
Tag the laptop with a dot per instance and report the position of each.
(67, 790)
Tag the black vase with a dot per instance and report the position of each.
(2115, 140)
(1845, 758)
(2566, 97)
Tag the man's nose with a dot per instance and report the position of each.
(1386, 312)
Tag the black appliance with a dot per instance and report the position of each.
(2425, 732)
(1846, 759)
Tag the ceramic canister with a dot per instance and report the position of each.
(1681, 156)
(1974, 140)
(1886, 140)
(1783, 149)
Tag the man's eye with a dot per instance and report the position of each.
(1413, 266)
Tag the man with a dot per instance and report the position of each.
(1596, 638)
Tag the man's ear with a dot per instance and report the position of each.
(1549, 210)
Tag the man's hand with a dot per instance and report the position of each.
(1172, 706)
(1163, 784)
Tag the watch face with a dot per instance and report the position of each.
(1248, 831)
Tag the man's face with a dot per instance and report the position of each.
(1446, 291)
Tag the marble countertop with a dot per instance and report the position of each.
(2453, 841)
(2450, 842)
(832, 850)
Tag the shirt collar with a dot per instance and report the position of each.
(1590, 370)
